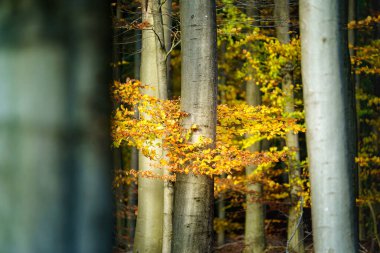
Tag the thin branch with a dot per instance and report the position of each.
(159, 39)
(172, 47)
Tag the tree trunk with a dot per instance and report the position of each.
(255, 215)
(162, 20)
(55, 160)
(330, 117)
(134, 161)
(352, 14)
(167, 23)
(295, 229)
(132, 200)
(193, 198)
(221, 201)
(118, 152)
(148, 236)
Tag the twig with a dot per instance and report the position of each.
(173, 45)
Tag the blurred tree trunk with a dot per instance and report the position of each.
(295, 229)
(330, 119)
(118, 152)
(134, 161)
(352, 16)
(55, 160)
(193, 197)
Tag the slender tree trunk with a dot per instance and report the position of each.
(132, 200)
(148, 236)
(222, 216)
(153, 12)
(167, 23)
(162, 20)
(134, 161)
(330, 117)
(295, 229)
(255, 215)
(118, 152)
(55, 163)
(221, 201)
(352, 14)
(159, 31)
(193, 200)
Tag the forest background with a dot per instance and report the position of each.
(236, 126)
(259, 165)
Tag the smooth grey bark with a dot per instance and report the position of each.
(55, 160)
(154, 45)
(159, 31)
(167, 24)
(148, 236)
(162, 20)
(254, 235)
(193, 196)
(295, 230)
(330, 117)
(295, 233)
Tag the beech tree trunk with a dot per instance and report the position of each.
(193, 197)
(162, 20)
(254, 233)
(255, 215)
(148, 236)
(55, 157)
(153, 11)
(330, 117)
(295, 229)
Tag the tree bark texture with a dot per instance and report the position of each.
(295, 229)
(55, 160)
(148, 236)
(254, 215)
(162, 20)
(254, 233)
(330, 119)
(193, 197)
